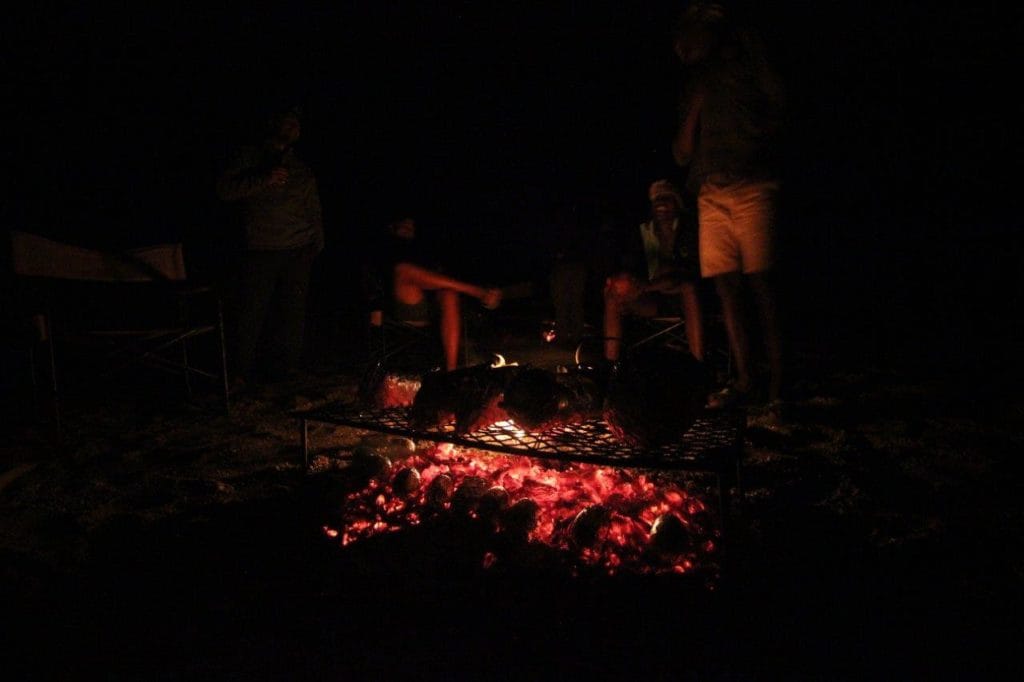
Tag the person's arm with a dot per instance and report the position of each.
(686, 137)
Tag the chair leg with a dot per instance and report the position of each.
(464, 344)
(44, 334)
(223, 358)
(184, 350)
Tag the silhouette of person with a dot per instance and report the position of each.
(667, 257)
(730, 117)
(278, 200)
(403, 274)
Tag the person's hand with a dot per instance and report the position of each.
(625, 287)
(278, 176)
(491, 298)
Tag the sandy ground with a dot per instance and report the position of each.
(881, 537)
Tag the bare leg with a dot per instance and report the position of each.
(451, 322)
(612, 323)
(728, 287)
(412, 280)
(622, 295)
(694, 320)
(767, 307)
(619, 291)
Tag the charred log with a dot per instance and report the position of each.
(471, 396)
(538, 400)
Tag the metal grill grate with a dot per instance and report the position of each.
(711, 444)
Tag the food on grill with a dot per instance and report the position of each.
(669, 534)
(406, 481)
(384, 387)
(538, 400)
(655, 396)
(470, 395)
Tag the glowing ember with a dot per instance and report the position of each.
(619, 520)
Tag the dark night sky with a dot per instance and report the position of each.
(482, 117)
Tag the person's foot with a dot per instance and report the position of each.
(491, 298)
(775, 407)
(727, 398)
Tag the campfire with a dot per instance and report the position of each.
(597, 517)
(578, 460)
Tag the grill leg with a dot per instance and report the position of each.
(304, 435)
(184, 316)
(739, 490)
(223, 359)
(723, 502)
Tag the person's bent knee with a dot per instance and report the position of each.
(620, 287)
(405, 272)
(447, 296)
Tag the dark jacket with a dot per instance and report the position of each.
(274, 218)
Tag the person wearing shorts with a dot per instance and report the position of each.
(730, 117)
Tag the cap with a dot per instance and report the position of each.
(664, 188)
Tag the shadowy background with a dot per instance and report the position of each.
(900, 238)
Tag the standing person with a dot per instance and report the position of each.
(730, 121)
(667, 248)
(278, 200)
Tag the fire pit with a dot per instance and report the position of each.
(713, 445)
(515, 511)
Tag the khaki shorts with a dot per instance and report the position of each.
(737, 226)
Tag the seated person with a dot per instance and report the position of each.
(404, 274)
(668, 270)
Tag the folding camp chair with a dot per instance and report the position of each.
(666, 330)
(639, 331)
(123, 310)
(391, 341)
(671, 331)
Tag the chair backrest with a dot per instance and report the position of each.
(121, 309)
(36, 256)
